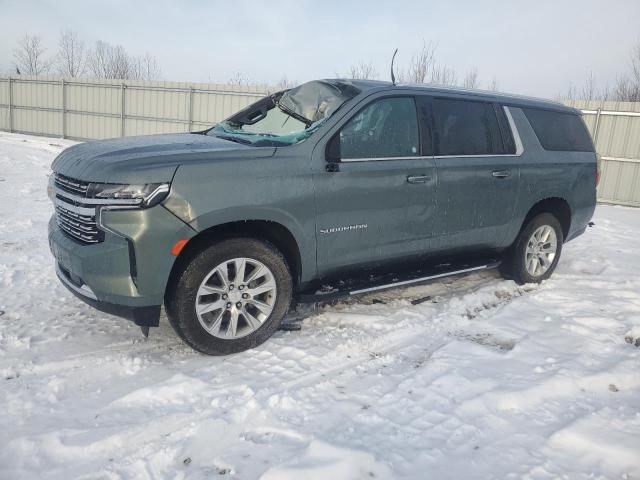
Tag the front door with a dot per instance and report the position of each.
(478, 174)
(378, 186)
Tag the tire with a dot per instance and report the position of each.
(520, 259)
(199, 307)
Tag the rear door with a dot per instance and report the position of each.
(478, 173)
(373, 186)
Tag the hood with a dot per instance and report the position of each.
(148, 158)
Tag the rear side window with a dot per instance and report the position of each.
(559, 131)
(464, 127)
(385, 128)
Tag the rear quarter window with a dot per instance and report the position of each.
(559, 131)
(465, 127)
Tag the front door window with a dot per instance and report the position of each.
(387, 128)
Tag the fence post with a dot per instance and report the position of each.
(64, 109)
(122, 114)
(595, 127)
(190, 109)
(10, 105)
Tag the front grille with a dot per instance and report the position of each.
(71, 185)
(80, 227)
(74, 216)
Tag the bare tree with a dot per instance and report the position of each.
(113, 61)
(470, 79)
(98, 60)
(29, 56)
(589, 90)
(238, 79)
(571, 94)
(443, 75)
(144, 67)
(425, 68)
(422, 64)
(363, 71)
(493, 85)
(284, 84)
(108, 61)
(71, 60)
(627, 87)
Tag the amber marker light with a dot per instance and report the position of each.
(177, 248)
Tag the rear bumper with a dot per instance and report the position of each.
(575, 234)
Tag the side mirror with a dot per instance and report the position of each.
(332, 154)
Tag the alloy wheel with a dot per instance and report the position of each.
(236, 298)
(541, 251)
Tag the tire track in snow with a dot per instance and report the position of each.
(106, 356)
(156, 427)
(397, 340)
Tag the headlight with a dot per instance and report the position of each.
(141, 195)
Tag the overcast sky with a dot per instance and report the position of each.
(534, 47)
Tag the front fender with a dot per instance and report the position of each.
(305, 242)
(278, 189)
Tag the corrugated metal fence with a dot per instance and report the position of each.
(93, 109)
(615, 128)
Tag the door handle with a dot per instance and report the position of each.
(418, 179)
(501, 173)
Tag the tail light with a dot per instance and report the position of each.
(598, 168)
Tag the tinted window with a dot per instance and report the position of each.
(559, 131)
(386, 128)
(466, 128)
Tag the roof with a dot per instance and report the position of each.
(506, 98)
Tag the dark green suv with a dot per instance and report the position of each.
(332, 188)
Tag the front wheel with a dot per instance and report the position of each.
(231, 296)
(535, 254)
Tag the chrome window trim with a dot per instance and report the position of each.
(484, 155)
(514, 131)
(84, 290)
(371, 159)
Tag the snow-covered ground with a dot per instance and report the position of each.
(483, 380)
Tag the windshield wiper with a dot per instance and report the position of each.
(293, 114)
(235, 139)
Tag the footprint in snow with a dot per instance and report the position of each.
(488, 340)
(629, 339)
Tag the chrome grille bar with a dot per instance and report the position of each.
(75, 213)
(82, 200)
(71, 184)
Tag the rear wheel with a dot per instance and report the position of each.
(535, 254)
(231, 296)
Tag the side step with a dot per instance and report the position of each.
(352, 287)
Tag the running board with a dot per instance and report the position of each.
(330, 293)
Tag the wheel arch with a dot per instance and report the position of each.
(557, 206)
(266, 230)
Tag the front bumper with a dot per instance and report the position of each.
(127, 273)
(142, 316)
